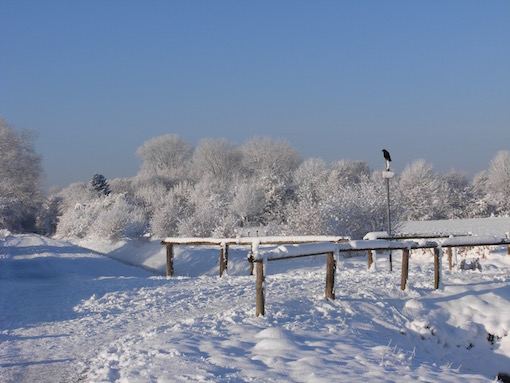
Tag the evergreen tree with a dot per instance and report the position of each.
(100, 185)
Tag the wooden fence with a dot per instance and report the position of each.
(329, 246)
(253, 242)
(372, 245)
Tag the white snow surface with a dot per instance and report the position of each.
(70, 314)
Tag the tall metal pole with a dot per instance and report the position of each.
(389, 211)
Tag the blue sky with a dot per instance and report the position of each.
(337, 79)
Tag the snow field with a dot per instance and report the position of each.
(69, 314)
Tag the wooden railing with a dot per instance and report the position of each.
(253, 242)
(329, 246)
(329, 249)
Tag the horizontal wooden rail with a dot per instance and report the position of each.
(254, 242)
(246, 241)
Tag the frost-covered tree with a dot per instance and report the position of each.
(269, 158)
(20, 176)
(210, 213)
(217, 159)
(349, 172)
(117, 217)
(455, 195)
(167, 156)
(420, 187)
(109, 217)
(482, 205)
(310, 179)
(358, 208)
(174, 206)
(272, 163)
(122, 186)
(75, 194)
(47, 219)
(498, 182)
(248, 202)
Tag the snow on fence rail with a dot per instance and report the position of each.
(224, 243)
(331, 246)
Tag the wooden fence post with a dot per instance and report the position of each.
(169, 260)
(405, 268)
(450, 256)
(370, 259)
(251, 260)
(260, 310)
(507, 246)
(223, 258)
(226, 257)
(437, 267)
(330, 276)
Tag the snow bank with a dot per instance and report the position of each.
(496, 226)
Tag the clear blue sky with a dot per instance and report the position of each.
(337, 79)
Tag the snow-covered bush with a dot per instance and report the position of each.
(109, 217)
(119, 218)
(175, 206)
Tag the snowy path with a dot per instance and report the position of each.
(70, 315)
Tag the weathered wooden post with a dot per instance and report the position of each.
(437, 266)
(507, 246)
(260, 310)
(251, 260)
(169, 260)
(405, 268)
(223, 258)
(330, 276)
(449, 251)
(370, 258)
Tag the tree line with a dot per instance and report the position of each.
(221, 189)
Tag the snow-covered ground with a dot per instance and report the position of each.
(68, 314)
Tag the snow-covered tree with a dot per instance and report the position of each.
(482, 205)
(117, 218)
(420, 187)
(272, 163)
(248, 202)
(498, 182)
(99, 184)
(217, 159)
(349, 172)
(268, 158)
(210, 213)
(168, 156)
(358, 208)
(455, 195)
(47, 219)
(20, 176)
(174, 206)
(109, 217)
(310, 179)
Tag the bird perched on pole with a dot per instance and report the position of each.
(386, 155)
(387, 158)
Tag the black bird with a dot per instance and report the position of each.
(386, 155)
